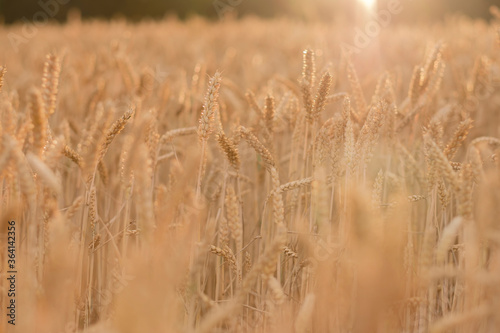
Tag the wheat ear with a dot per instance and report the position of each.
(3, 70)
(50, 82)
(229, 149)
(322, 95)
(206, 123)
(113, 131)
(39, 118)
(257, 146)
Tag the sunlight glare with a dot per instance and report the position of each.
(368, 3)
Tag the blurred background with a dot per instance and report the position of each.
(415, 10)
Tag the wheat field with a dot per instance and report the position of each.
(250, 176)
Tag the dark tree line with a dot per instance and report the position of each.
(15, 10)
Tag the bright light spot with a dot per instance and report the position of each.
(369, 3)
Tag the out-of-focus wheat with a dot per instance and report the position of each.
(362, 200)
